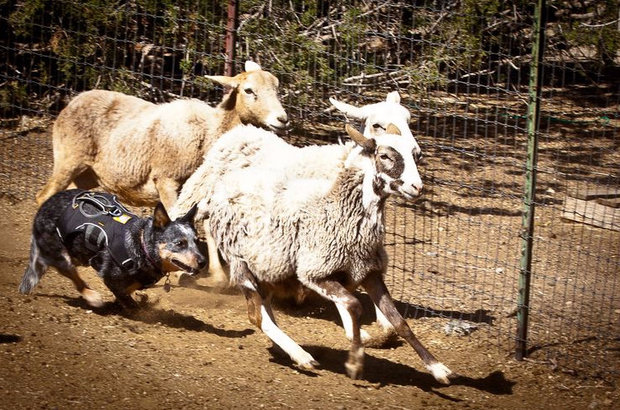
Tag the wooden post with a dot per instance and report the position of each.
(231, 38)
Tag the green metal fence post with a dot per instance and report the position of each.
(527, 229)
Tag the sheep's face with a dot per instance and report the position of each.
(378, 116)
(256, 99)
(394, 162)
(396, 166)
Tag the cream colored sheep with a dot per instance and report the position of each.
(144, 152)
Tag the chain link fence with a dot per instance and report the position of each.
(461, 67)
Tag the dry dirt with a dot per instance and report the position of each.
(195, 348)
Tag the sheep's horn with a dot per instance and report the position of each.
(355, 135)
(392, 129)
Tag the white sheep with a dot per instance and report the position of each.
(277, 227)
(376, 118)
(144, 152)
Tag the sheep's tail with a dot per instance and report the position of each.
(34, 271)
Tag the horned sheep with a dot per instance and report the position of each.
(375, 117)
(277, 226)
(144, 152)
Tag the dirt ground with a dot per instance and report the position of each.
(195, 348)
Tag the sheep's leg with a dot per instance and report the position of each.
(347, 324)
(383, 321)
(380, 296)
(367, 339)
(387, 330)
(217, 272)
(168, 190)
(261, 315)
(350, 311)
(63, 174)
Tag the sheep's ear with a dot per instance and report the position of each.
(224, 80)
(392, 129)
(251, 66)
(348, 109)
(160, 216)
(393, 97)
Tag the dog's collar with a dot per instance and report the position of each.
(146, 253)
(154, 264)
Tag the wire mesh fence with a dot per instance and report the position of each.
(461, 67)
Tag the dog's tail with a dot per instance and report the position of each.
(34, 271)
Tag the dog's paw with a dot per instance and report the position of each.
(92, 297)
(141, 298)
(144, 299)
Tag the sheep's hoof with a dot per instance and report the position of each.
(306, 361)
(187, 281)
(218, 278)
(311, 365)
(355, 365)
(354, 370)
(300, 357)
(440, 372)
(92, 297)
(218, 284)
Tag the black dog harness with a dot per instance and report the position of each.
(104, 222)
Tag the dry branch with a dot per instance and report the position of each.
(399, 76)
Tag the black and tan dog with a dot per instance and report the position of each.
(78, 228)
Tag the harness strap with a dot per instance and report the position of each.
(99, 201)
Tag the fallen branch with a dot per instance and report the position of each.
(492, 71)
(600, 25)
(364, 76)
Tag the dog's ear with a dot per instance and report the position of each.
(160, 216)
(189, 216)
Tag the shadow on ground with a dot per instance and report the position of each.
(152, 316)
(383, 372)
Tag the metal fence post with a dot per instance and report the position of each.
(527, 227)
